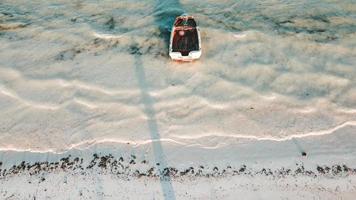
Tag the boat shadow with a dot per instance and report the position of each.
(165, 13)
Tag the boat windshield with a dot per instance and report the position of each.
(185, 22)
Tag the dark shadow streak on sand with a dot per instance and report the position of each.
(147, 101)
(299, 147)
(165, 13)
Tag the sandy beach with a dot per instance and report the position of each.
(92, 107)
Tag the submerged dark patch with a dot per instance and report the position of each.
(135, 50)
(110, 24)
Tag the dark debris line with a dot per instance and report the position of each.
(127, 168)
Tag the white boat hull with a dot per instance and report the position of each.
(189, 55)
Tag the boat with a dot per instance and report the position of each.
(185, 42)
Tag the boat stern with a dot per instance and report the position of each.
(193, 55)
